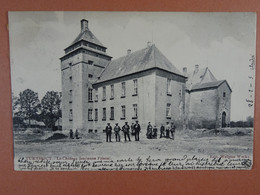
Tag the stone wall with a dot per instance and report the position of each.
(145, 101)
(224, 104)
(176, 99)
(203, 105)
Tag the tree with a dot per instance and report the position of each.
(27, 104)
(250, 121)
(14, 103)
(51, 108)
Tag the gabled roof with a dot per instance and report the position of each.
(209, 85)
(144, 59)
(198, 77)
(87, 35)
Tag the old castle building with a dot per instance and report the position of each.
(142, 85)
(207, 100)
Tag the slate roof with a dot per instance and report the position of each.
(197, 77)
(207, 85)
(87, 35)
(144, 59)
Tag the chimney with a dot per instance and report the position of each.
(196, 68)
(184, 70)
(84, 25)
(149, 44)
(128, 51)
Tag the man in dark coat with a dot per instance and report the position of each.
(155, 132)
(162, 130)
(173, 127)
(137, 130)
(117, 130)
(126, 129)
(71, 134)
(76, 134)
(108, 132)
(149, 131)
(133, 129)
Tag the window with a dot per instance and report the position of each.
(104, 93)
(112, 92)
(96, 114)
(224, 94)
(96, 92)
(90, 115)
(135, 111)
(90, 75)
(70, 65)
(169, 87)
(104, 114)
(123, 89)
(70, 115)
(112, 113)
(90, 62)
(123, 112)
(70, 78)
(180, 93)
(90, 95)
(135, 87)
(70, 96)
(168, 111)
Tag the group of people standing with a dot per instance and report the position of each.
(76, 134)
(135, 128)
(167, 131)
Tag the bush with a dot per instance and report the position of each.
(204, 124)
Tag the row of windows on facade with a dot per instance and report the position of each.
(112, 91)
(112, 113)
(123, 91)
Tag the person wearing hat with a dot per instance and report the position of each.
(71, 134)
(126, 129)
(137, 130)
(133, 129)
(162, 130)
(173, 127)
(149, 131)
(117, 130)
(155, 132)
(108, 132)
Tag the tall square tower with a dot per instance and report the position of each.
(83, 62)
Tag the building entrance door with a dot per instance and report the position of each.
(224, 119)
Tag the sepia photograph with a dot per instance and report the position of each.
(132, 90)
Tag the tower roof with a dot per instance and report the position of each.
(199, 76)
(203, 79)
(144, 59)
(86, 35)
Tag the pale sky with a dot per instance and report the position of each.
(223, 42)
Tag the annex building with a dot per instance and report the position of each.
(142, 85)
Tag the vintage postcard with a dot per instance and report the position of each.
(132, 90)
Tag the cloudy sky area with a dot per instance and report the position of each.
(224, 42)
